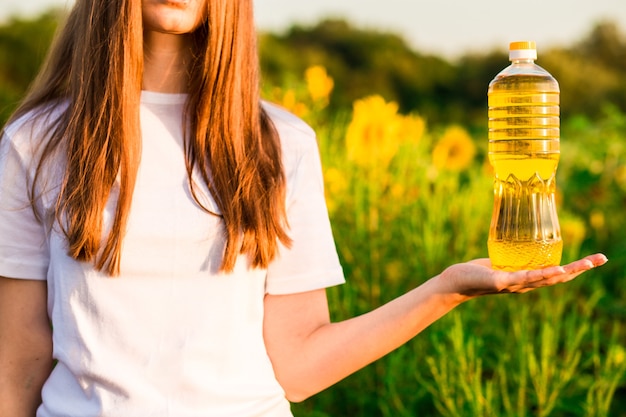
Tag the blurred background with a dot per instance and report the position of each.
(396, 91)
(433, 57)
(446, 27)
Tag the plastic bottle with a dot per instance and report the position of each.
(524, 152)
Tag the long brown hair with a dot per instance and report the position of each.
(96, 64)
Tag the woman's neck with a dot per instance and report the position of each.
(166, 58)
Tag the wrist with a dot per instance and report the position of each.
(445, 287)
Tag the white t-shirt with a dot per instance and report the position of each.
(171, 336)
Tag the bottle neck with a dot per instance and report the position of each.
(523, 61)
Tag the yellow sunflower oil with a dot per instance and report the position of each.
(524, 135)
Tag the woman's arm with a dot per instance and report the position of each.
(25, 346)
(309, 353)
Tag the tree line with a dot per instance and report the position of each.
(590, 71)
(364, 61)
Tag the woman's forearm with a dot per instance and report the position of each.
(335, 350)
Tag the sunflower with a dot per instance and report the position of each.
(319, 84)
(376, 132)
(371, 138)
(455, 150)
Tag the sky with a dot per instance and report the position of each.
(448, 28)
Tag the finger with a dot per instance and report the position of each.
(586, 263)
(565, 273)
(538, 275)
(527, 280)
(597, 259)
(556, 275)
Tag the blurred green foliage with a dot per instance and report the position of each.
(364, 61)
(23, 46)
(590, 70)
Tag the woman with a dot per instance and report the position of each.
(173, 230)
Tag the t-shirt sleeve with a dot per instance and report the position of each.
(312, 261)
(23, 243)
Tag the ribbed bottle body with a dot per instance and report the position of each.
(524, 151)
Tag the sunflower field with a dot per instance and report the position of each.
(407, 200)
(410, 193)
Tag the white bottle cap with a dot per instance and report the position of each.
(526, 50)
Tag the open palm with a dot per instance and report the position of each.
(476, 277)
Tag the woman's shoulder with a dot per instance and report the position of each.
(295, 133)
(33, 126)
(300, 152)
(25, 136)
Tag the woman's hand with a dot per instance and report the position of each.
(476, 277)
